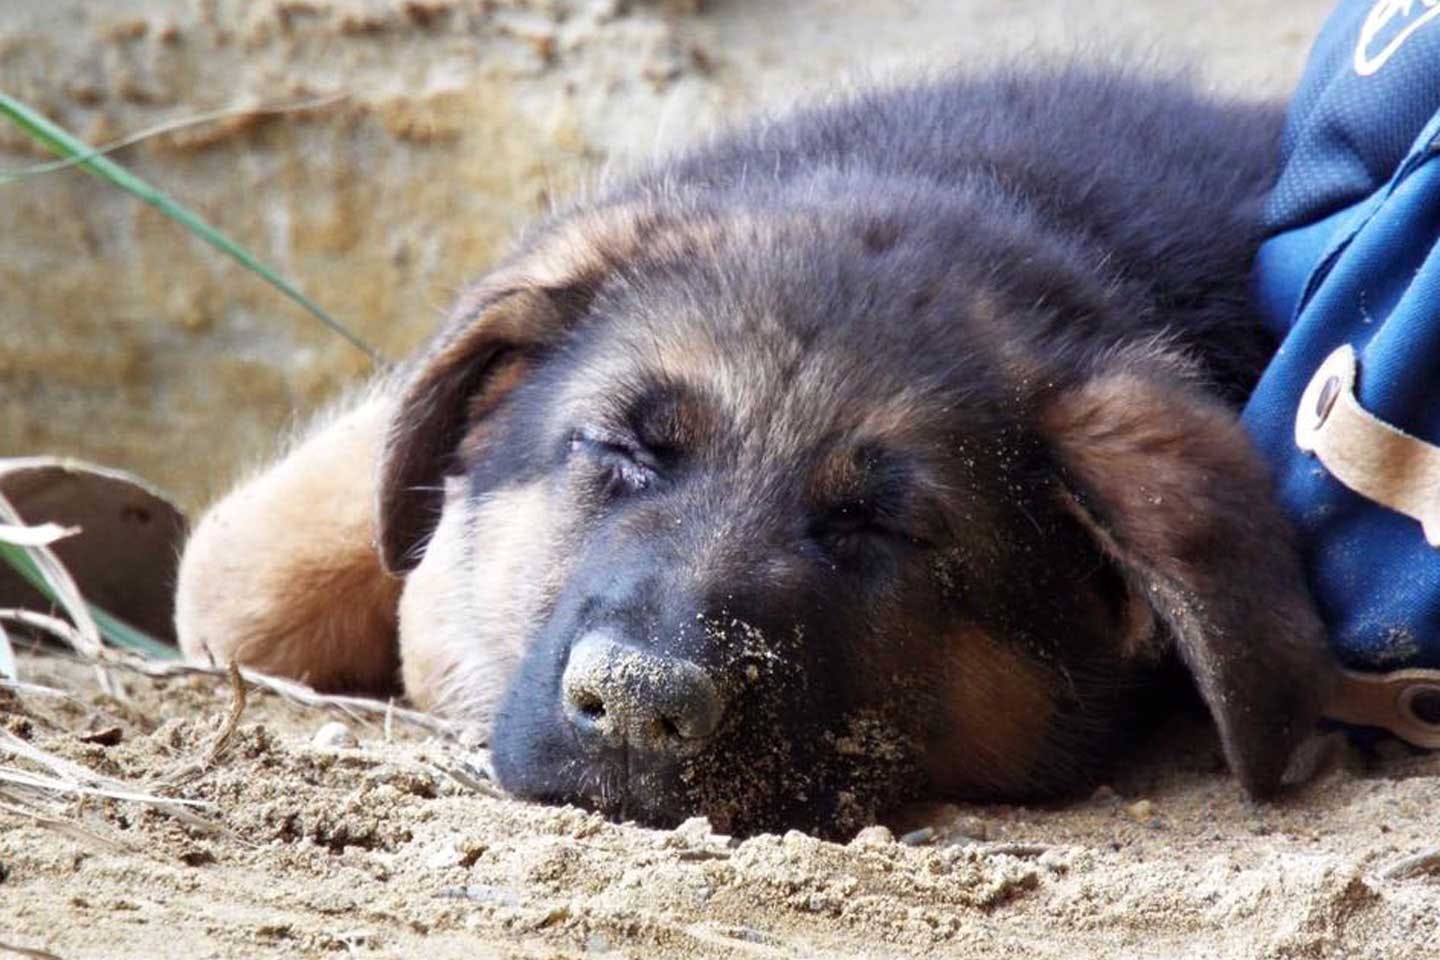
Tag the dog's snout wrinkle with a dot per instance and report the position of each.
(618, 696)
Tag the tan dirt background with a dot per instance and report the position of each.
(125, 341)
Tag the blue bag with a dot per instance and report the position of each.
(1352, 260)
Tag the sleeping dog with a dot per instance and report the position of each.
(886, 451)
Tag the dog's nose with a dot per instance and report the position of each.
(616, 695)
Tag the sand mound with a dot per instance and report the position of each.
(377, 850)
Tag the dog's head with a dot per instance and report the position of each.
(782, 517)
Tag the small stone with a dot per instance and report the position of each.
(482, 893)
(104, 736)
(1140, 810)
(444, 857)
(875, 836)
(695, 830)
(750, 935)
(556, 914)
(334, 736)
(918, 838)
(351, 940)
(196, 857)
(471, 849)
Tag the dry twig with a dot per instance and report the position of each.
(1415, 865)
(221, 743)
(357, 708)
(35, 541)
(32, 952)
(66, 779)
(74, 831)
(237, 708)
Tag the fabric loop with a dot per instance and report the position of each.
(1370, 457)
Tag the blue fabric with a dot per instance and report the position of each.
(1353, 256)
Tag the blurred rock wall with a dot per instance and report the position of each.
(394, 147)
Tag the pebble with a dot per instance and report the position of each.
(482, 893)
(104, 736)
(693, 832)
(334, 736)
(918, 838)
(1141, 810)
(873, 836)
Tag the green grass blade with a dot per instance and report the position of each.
(114, 629)
(61, 142)
(170, 126)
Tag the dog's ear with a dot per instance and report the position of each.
(499, 327)
(1167, 481)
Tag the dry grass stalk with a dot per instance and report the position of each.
(18, 808)
(54, 626)
(31, 952)
(362, 709)
(1416, 865)
(66, 776)
(221, 743)
(83, 635)
(36, 540)
(35, 689)
(22, 536)
(23, 780)
(87, 632)
(40, 535)
(64, 780)
(356, 708)
(172, 126)
(237, 709)
(9, 669)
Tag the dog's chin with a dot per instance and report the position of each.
(738, 796)
(792, 772)
(833, 815)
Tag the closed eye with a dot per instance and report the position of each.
(629, 467)
(848, 526)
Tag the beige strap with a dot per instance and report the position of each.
(1405, 702)
(1396, 470)
(1369, 456)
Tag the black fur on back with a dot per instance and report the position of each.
(1147, 192)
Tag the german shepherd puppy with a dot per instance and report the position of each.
(883, 452)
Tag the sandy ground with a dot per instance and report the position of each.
(377, 851)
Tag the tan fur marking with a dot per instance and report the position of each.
(464, 625)
(1158, 471)
(432, 625)
(997, 717)
(1171, 477)
(282, 575)
(509, 373)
